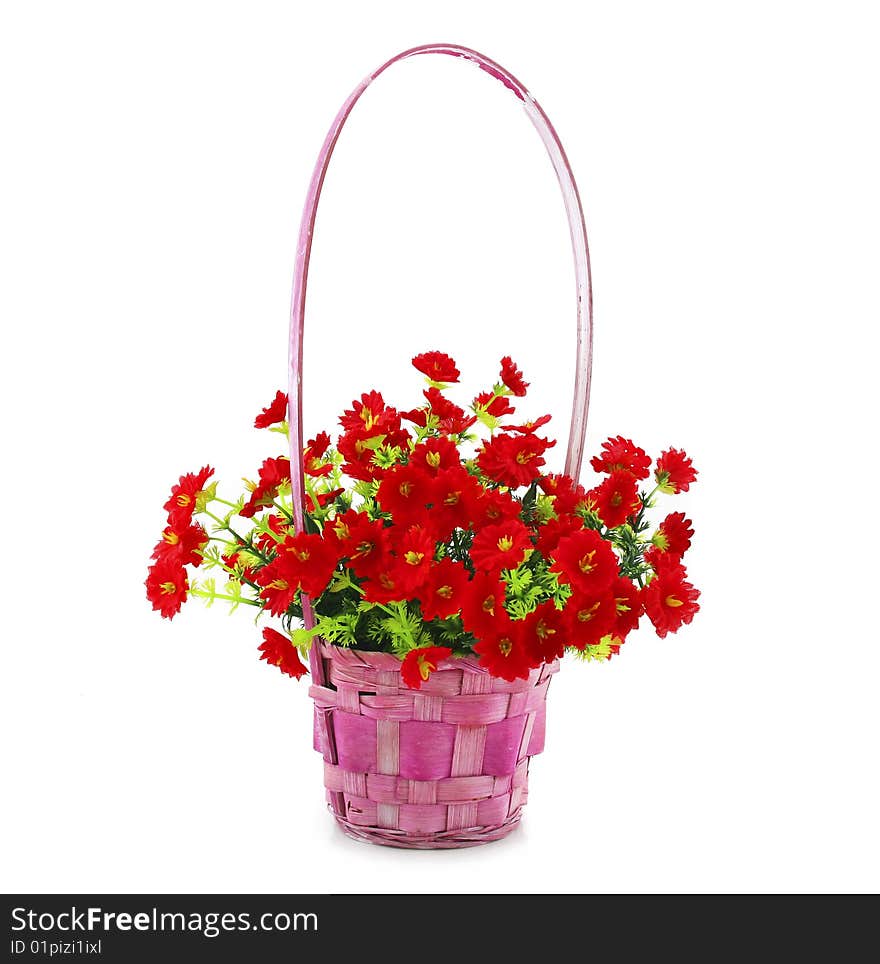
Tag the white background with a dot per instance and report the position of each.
(155, 158)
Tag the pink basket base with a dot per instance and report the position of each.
(441, 767)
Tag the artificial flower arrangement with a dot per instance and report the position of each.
(435, 535)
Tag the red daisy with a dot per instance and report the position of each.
(545, 633)
(483, 603)
(674, 472)
(405, 491)
(182, 545)
(513, 377)
(492, 404)
(418, 664)
(616, 499)
(670, 601)
(274, 413)
(674, 534)
(513, 460)
(182, 502)
(414, 554)
(278, 650)
(551, 532)
(434, 455)
(568, 495)
(502, 650)
(455, 491)
(274, 473)
(621, 454)
(590, 617)
(528, 428)
(383, 585)
(441, 596)
(492, 506)
(313, 453)
(308, 560)
(436, 366)
(362, 541)
(629, 605)
(364, 412)
(502, 546)
(166, 587)
(586, 561)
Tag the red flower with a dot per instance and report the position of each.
(314, 450)
(279, 526)
(673, 535)
(513, 460)
(434, 455)
(502, 649)
(274, 413)
(502, 546)
(546, 633)
(420, 663)
(436, 366)
(405, 491)
(496, 405)
(414, 552)
(442, 594)
(629, 605)
(166, 587)
(274, 473)
(440, 405)
(483, 603)
(513, 377)
(528, 428)
(455, 492)
(568, 496)
(384, 586)
(551, 532)
(670, 600)
(181, 545)
(590, 617)
(586, 561)
(278, 650)
(616, 499)
(364, 412)
(305, 561)
(182, 501)
(363, 542)
(457, 424)
(621, 454)
(674, 472)
(320, 499)
(492, 506)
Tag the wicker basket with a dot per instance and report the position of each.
(443, 766)
(447, 765)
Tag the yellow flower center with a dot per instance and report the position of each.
(168, 588)
(426, 667)
(585, 615)
(405, 488)
(616, 499)
(278, 584)
(673, 602)
(172, 538)
(452, 498)
(342, 531)
(364, 548)
(523, 456)
(386, 581)
(505, 544)
(367, 417)
(489, 605)
(585, 563)
(301, 554)
(445, 592)
(433, 459)
(183, 500)
(505, 646)
(543, 630)
(413, 558)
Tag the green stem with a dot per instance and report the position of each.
(206, 594)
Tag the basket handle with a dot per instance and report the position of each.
(575, 214)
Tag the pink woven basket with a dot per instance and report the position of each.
(447, 765)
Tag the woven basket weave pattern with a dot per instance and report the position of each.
(442, 766)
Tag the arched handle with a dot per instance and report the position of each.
(578, 231)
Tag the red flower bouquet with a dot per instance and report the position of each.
(435, 534)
